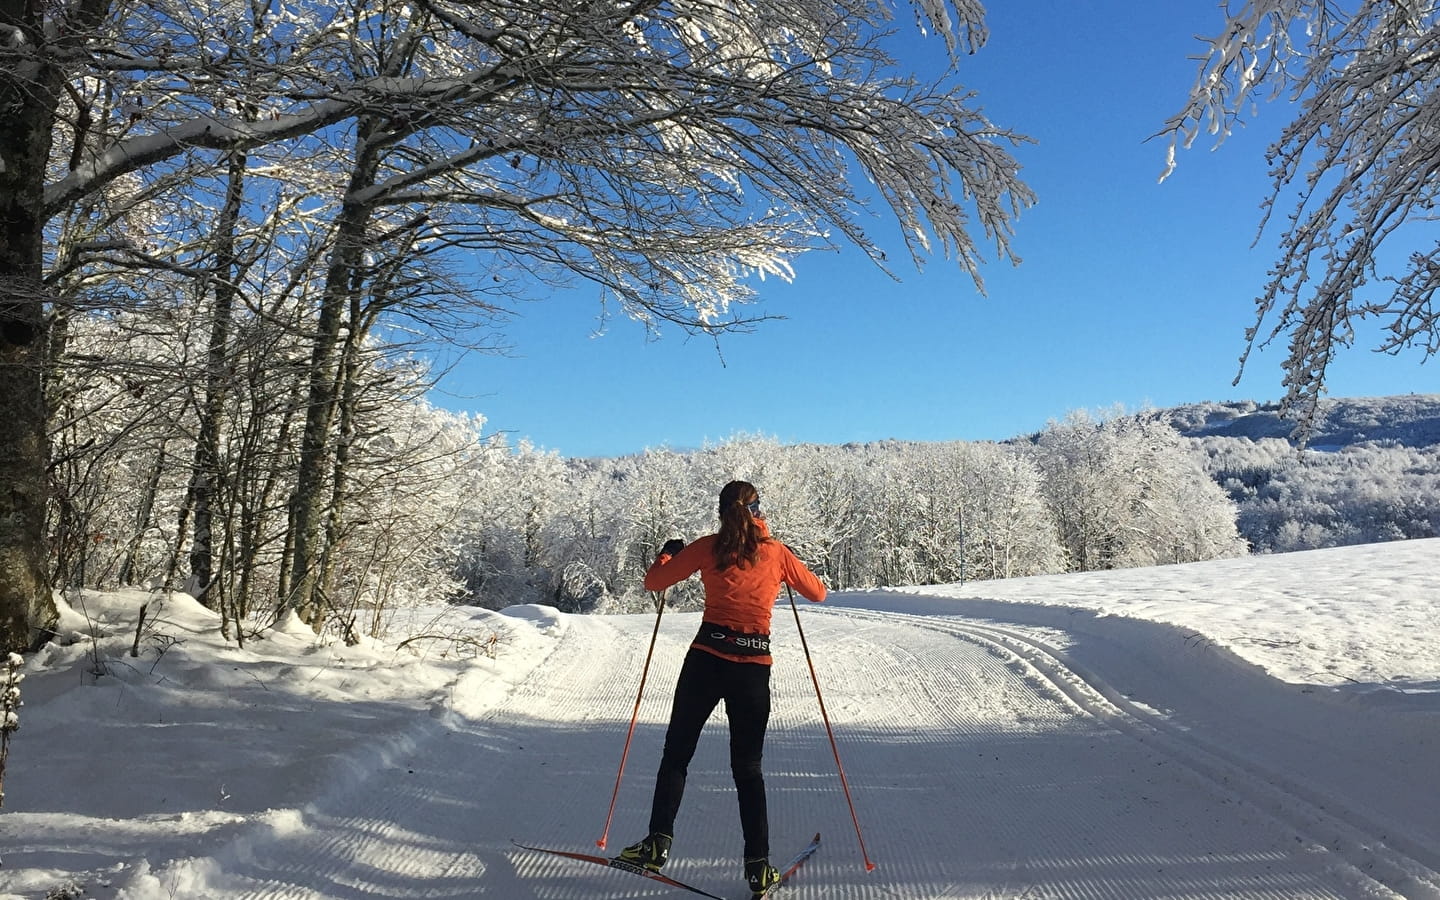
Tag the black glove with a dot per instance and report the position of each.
(672, 547)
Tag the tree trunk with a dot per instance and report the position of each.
(26, 608)
(347, 406)
(206, 474)
(259, 476)
(27, 108)
(308, 504)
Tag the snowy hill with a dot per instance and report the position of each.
(1412, 420)
(1370, 471)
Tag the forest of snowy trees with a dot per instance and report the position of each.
(433, 506)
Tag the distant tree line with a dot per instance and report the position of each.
(1086, 493)
(424, 505)
(1091, 492)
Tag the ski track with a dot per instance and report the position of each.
(982, 763)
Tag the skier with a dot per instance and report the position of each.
(741, 568)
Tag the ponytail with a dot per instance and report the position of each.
(740, 535)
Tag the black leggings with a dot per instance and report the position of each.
(705, 680)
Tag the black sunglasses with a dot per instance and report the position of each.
(754, 507)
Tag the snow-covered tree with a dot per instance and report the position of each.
(1008, 529)
(955, 511)
(584, 541)
(931, 477)
(1354, 176)
(666, 500)
(834, 490)
(1125, 491)
(398, 545)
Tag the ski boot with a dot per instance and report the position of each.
(761, 876)
(650, 852)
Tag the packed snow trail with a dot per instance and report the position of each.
(982, 766)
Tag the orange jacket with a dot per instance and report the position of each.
(738, 598)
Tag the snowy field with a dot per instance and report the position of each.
(1266, 727)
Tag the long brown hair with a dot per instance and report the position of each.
(740, 535)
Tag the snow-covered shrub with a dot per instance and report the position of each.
(9, 711)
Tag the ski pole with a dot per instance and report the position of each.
(644, 673)
(869, 866)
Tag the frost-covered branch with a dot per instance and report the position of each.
(1355, 173)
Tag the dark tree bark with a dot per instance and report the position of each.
(29, 96)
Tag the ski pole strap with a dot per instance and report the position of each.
(727, 640)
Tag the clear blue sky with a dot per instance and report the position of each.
(1130, 292)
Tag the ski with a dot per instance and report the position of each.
(791, 867)
(623, 866)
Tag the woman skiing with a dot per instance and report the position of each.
(741, 568)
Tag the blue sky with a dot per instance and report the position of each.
(1130, 292)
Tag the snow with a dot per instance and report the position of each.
(1264, 727)
(1349, 618)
